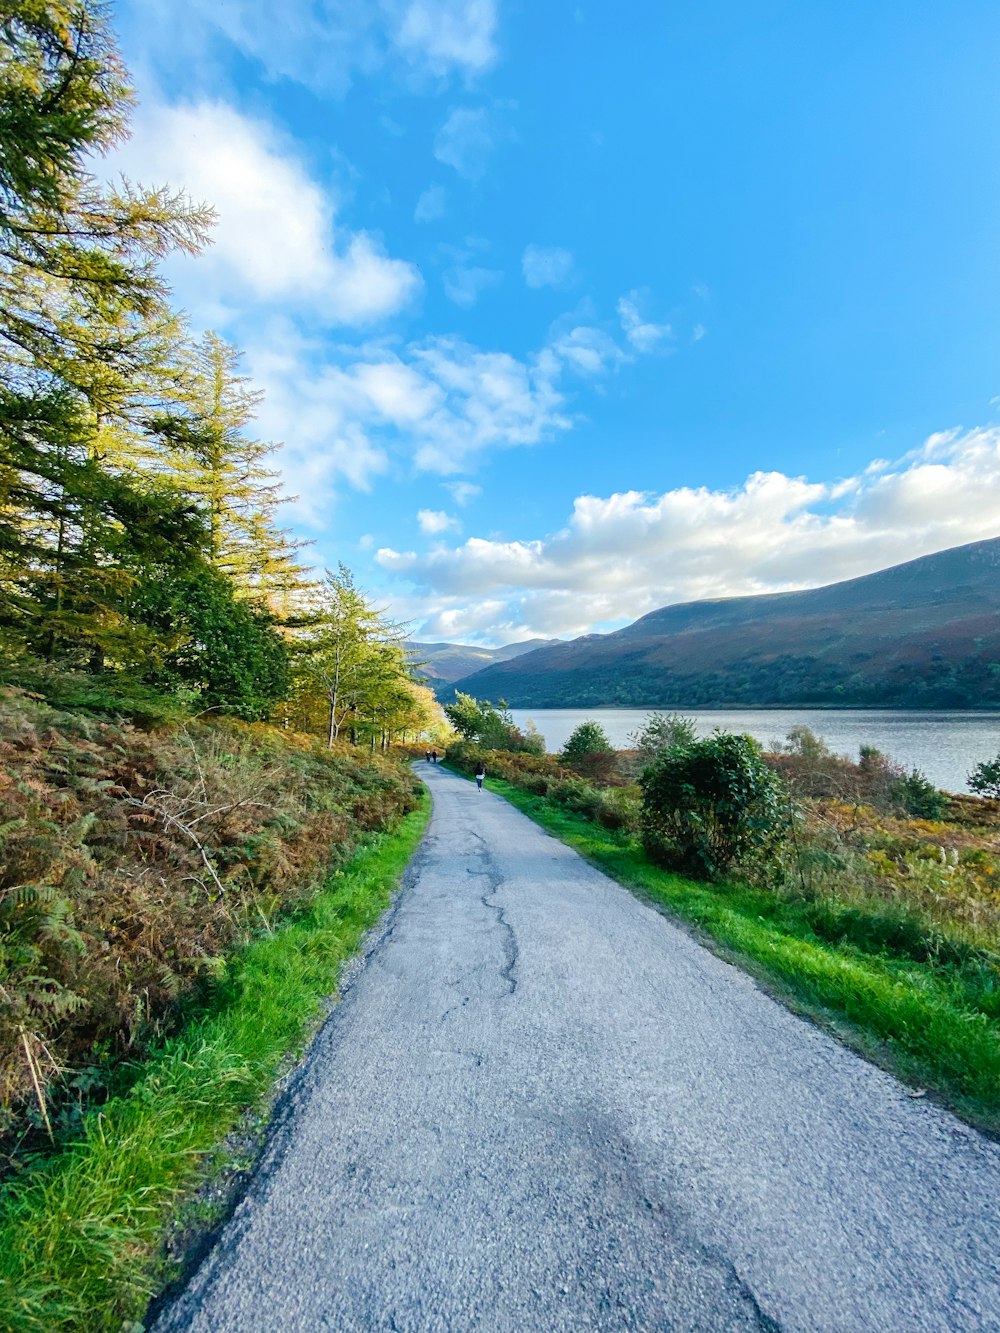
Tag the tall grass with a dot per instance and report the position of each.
(932, 1019)
(80, 1236)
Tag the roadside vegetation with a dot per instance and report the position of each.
(81, 1235)
(853, 889)
(199, 813)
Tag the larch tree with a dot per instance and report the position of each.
(78, 276)
(227, 471)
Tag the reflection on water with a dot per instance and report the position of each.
(945, 746)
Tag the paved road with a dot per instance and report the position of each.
(542, 1107)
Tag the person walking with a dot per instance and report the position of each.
(480, 775)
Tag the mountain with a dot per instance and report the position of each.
(924, 634)
(442, 663)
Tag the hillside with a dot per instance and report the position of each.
(441, 663)
(924, 634)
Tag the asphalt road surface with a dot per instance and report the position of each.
(540, 1106)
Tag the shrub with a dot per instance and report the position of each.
(589, 752)
(984, 779)
(918, 797)
(710, 804)
(662, 731)
(620, 808)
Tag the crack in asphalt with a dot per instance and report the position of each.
(509, 944)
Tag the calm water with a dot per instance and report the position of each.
(945, 746)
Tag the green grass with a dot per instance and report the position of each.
(80, 1237)
(933, 1024)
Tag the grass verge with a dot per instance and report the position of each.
(934, 1025)
(80, 1237)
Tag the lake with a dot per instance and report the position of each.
(945, 746)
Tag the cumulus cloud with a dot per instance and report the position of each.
(327, 44)
(278, 239)
(435, 521)
(431, 205)
(622, 555)
(546, 266)
(641, 333)
(466, 140)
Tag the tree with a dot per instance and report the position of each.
(225, 469)
(78, 280)
(984, 779)
(225, 652)
(491, 725)
(662, 731)
(710, 804)
(589, 751)
(345, 654)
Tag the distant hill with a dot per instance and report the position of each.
(446, 662)
(925, 634)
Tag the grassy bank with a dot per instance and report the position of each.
(933, 1020)
(81, 1235)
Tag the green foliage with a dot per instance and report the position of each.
(227, 654)
(490, 726)
(710, 804)
(662, 731)
(917, 796)
(589, 752)
(544, 775)
(352, 674)
(985, 778)
(225, 470)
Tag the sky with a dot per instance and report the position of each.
(566, 311)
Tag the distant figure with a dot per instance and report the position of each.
(480, 775)
(434, 756)
(428, 756)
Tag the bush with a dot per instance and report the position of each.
(984, 779)
(918, 797)
(710, 804)
(662, 731)
(589, 752)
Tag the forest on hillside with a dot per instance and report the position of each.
(144, 566)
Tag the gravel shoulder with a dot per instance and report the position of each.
(542, 1106)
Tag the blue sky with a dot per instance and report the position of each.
(566, 311)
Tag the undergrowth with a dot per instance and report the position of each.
(81, 1234)
(912, 995)
(131, 863)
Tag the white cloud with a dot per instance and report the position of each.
(278, 240)
(641, 333)
(326, 44)
(431, 205)
(465, 141)
(546, 266)
(464, 280)
(589, 351)
(625, 554)
(446, 34)
(435, 521)
(462, 492)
